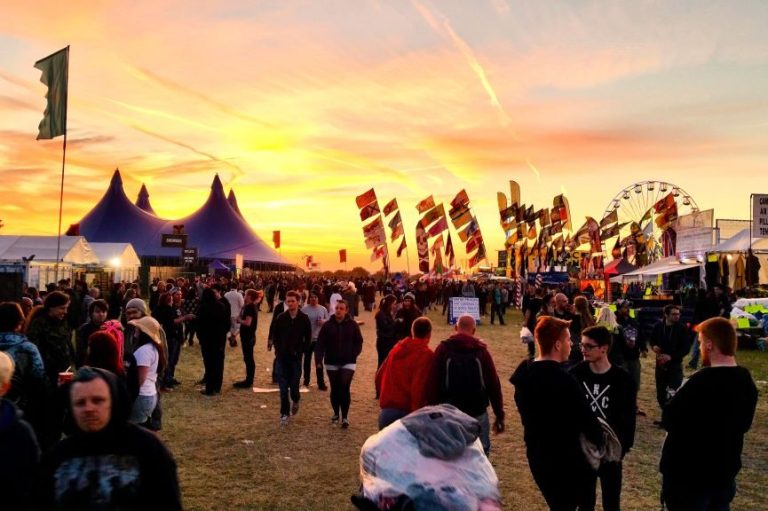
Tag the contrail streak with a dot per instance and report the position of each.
(164, 115)
(534, 169)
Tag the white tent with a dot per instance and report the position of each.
(740, 243)
(120, 257)
(660, 267)
(35, 256)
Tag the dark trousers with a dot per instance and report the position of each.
(250, 363)
(684, 498)
(307, 366)
(382, 350)
(531, 350)
(563, 488)
(667, 377)
(610, 484)
(341, 397)
(496, 309)
(213, 360)
(174, 352)
(288, 373)
(190, 330)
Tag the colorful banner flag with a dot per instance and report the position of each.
(462, 219)
(401, 247)
(610, 232)
(471, 228)
(395, 220)
(593, 229)
(397, 232)
(365, 199)
(343, 255)
(664, 203)
(309, 261)
(390, 207)
(440, 226)
(378, 253)
(509, 212)
(554, 215)
(544, 219)
(374, 227)
(55, 68)
(501, 200)
(375, 239)
(514, 192)
(426, 205)
(511, 240)
(437, 268)
(509, 226)
(422, 248)
(530, 215)
(532, 231)
(437, 244)
(461, 199)
(647, 216)
(479, 256)
(276, 239)
(433, 215)
(370, 210)
(610, 218)
(556, 227)
(473, 242)
(449, 253)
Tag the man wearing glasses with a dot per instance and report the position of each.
(611, 394)
(670, 340)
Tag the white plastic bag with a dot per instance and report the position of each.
(526, 337)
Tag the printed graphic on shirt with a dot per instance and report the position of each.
(598, 398)
(97, 482)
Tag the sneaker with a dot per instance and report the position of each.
(283, 420)
(344, 423)
(295, 408)
(334, 419)
(242, 384)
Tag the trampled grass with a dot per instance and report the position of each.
(233, 455)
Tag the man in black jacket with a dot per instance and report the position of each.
(611, 396)
(291, 334)
(706, 422)
(554, 414)
(670, 341)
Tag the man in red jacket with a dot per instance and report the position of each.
(401, 379)
(463, 374)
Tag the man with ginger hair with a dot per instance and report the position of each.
(706, 421)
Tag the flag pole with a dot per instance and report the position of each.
(61, 191)
(407, 259)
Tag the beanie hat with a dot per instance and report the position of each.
(149, 326)
(409, 296)
(137, 303)
(55, 299)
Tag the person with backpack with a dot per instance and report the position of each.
(463, 374)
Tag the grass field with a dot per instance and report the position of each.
(233, 455)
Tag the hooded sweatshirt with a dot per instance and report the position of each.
(339, 342)
(459, 344)
(123, 466)
(29, 380)
(20, 455)
(402, 379)
(53, 339)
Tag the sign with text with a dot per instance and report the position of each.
(458, 306)
(174, 240)
(189, 255)
(759, 216)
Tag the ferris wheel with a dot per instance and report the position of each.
(633, 203)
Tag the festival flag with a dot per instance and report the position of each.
(437, 244)
(511, 240)
(461, 199)
(461, 219)
(520, 213)
(370, 210)
(378, 253)
(309, 261)
(276, 239)
(509, 212)
(422, 247)
(616, 252)
(501, 200)
(390, 207)
(610, 232)
(664, 203)
(425, 205)
(556, 227)
(397, 231)
(471, 228)
(55, 68)
(554, 215)
(511, 225)
(473, 242)
(530, 215)
(593, 230)
(479, 256)
(449, 253)
(437, 268)
(532, 231)
(373, 227)
(647, 216)
(395, 221)
(610, 218)
(440, 226)
(343, 255)
(565, 213)
(514, 192)
(375, 239)
(432, 215)
(401, 247)
(365, 199)
(544, 219)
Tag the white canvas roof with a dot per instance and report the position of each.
(660, 267)
(111, 253)
(74, 249)
(740, 243)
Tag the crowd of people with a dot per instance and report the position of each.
(82, 380)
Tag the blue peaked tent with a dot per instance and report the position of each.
(142, 201)
(216, 229)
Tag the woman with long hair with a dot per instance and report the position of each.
(385, 328)
(607, 318)
(338, 345)
(213, 324)
(150, 361)
(104, 352)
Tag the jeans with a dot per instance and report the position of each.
(288, 372)
(633, 368)
(389, 415)
(174, 352)
(250, 363)
(496, 309)
(610, 484)
(142, 409)
(307, 366)
(682, 498)
(667, 377)
(341, 397)
(485, 432)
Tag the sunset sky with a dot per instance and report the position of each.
(302, 105)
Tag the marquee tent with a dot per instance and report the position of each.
(16, 256)
(142, 201)
(120, 257)
(660, 267)
(740, 243)
(233, 202)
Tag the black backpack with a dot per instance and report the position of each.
(464, 385)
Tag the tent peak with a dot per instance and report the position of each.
(117, 180)
(142, 201)
(216, 186)
(233, 202)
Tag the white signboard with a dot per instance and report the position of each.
(458, 306)
(759, 216)
(695, 235)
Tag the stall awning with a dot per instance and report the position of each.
(667, 265)
(740, 243)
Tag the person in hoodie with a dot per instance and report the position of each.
(463, 374)
(107, 463)
(19, 453)
(339, 343)
(405, 316)
(402, 379)
(97, 315)
(28, 388)
(555, 413)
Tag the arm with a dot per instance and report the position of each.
(358, 340)
(320, 346)
(419, 383)
(493, 386)
(380, 376)
(142, 371)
